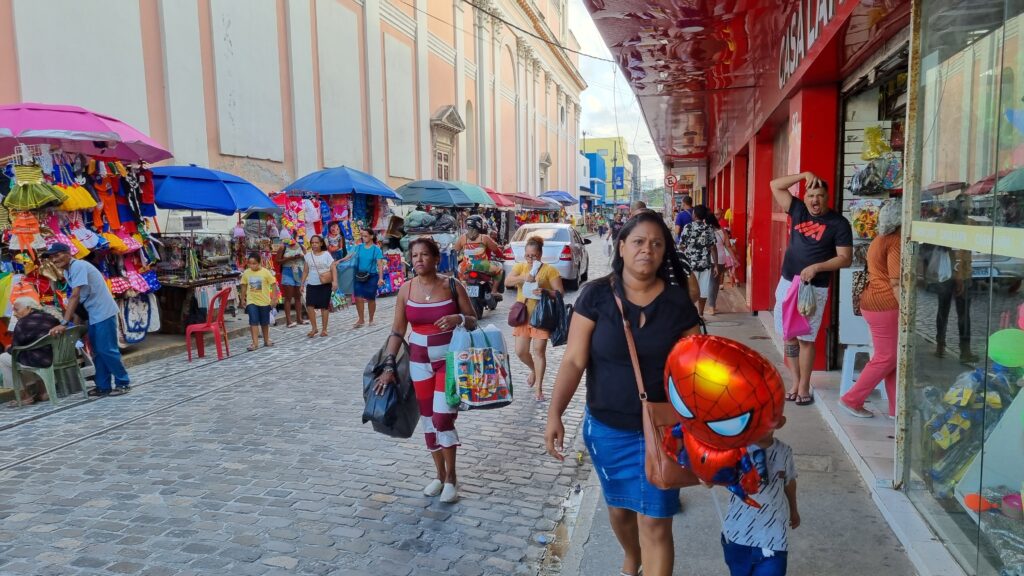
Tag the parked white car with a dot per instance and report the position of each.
(564, 249)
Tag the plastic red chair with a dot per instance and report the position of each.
(214, 323)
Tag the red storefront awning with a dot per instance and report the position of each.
(708, 75)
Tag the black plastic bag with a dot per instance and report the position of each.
(396, 412)
(560, 335)
(545, 314)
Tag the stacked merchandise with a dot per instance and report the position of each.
(100, 209)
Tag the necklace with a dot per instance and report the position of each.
(430, 294)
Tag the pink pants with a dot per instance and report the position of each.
(882, 366)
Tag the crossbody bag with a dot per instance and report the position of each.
(662, 471)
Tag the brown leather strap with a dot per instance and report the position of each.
(632, 348)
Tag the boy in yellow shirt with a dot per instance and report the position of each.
(257, 288)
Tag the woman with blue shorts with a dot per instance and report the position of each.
(291, 255)
(660, 312)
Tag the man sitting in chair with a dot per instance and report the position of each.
(33, 323)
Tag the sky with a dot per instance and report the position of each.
(608, 111)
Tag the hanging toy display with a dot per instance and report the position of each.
(727, 397)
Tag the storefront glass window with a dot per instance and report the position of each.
(965, 441)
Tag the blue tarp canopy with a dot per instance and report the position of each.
(341, 180)
(560, 196)
(196, 188)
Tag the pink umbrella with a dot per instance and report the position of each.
(75, 129)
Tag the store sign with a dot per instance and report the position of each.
(618, 177)
(804, 29)
(190, 223)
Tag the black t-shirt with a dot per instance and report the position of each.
(616, 227)
(612, 396)
(812, 240)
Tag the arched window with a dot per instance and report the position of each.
(470, 137)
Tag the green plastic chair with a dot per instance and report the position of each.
(64, 367)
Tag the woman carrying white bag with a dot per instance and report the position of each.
(434, 306)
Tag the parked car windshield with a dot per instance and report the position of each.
(546, 234)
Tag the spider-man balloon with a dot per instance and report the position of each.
(727, 397)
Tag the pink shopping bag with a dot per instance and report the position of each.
(794, 323)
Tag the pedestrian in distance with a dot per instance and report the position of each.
(432, 305)
(369, 276)
(880, 307)
(684, 216)
(256, 294)
(532, 343)
(698, 242)
(820, 243)
(320, 277)
(755, 540)
(89, 290)
(725, 259)
(660, 312)
(291, 255)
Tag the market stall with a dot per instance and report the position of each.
(197, 264)
(354, 200)
(534, 210)
(502, 215)
(78, 178)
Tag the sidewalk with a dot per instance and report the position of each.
(842, 532)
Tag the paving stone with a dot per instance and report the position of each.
(246, 480)
(286, 562)
(125, 568)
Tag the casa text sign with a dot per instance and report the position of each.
(801, 31)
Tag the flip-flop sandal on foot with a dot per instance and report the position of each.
(251, 348)
(791, 396)
(805, 400)
(268, 345)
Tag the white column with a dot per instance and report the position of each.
(496, 53)
(482, 20)
(522, 105)
(375, 88)
(423, 92)
(460, 86)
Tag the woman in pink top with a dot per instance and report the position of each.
(434, 305)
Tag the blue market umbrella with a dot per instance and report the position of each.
(196, 188)
(434, 193)
(560, 196)
(341, 180)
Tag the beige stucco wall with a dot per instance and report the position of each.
(270, 90)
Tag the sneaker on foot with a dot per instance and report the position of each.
(449, 494)
(434, 488)
(858, 412)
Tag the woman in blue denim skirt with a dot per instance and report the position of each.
(660, 312)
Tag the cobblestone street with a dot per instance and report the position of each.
(259, 464)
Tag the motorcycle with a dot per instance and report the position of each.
(478, 287)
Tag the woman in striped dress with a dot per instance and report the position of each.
(433, 305)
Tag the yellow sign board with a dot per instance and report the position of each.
(1001, 241)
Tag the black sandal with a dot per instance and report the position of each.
(120, 391)
(805, 400)
(97, 393)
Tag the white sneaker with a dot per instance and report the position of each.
(434, 488)
(449, 494)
